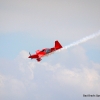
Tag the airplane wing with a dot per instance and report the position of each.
(41, 54)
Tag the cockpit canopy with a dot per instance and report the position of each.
(47, 50)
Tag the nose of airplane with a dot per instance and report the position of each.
(30, 55)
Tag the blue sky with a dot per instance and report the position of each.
(26, 26)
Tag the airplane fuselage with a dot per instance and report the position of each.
(45, 52)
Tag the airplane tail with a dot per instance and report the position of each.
(57, 45)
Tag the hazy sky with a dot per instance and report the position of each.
(28, 25)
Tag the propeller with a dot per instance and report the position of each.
(29, 54)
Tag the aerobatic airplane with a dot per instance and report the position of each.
(45, 52)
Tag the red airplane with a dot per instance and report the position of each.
(45, 52)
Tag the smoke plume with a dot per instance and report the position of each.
(81, 40)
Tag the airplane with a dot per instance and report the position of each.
(45, 52)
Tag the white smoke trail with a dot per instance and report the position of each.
(81, 41)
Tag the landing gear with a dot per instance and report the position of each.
(38, 59)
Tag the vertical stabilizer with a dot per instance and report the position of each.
(57, 45)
